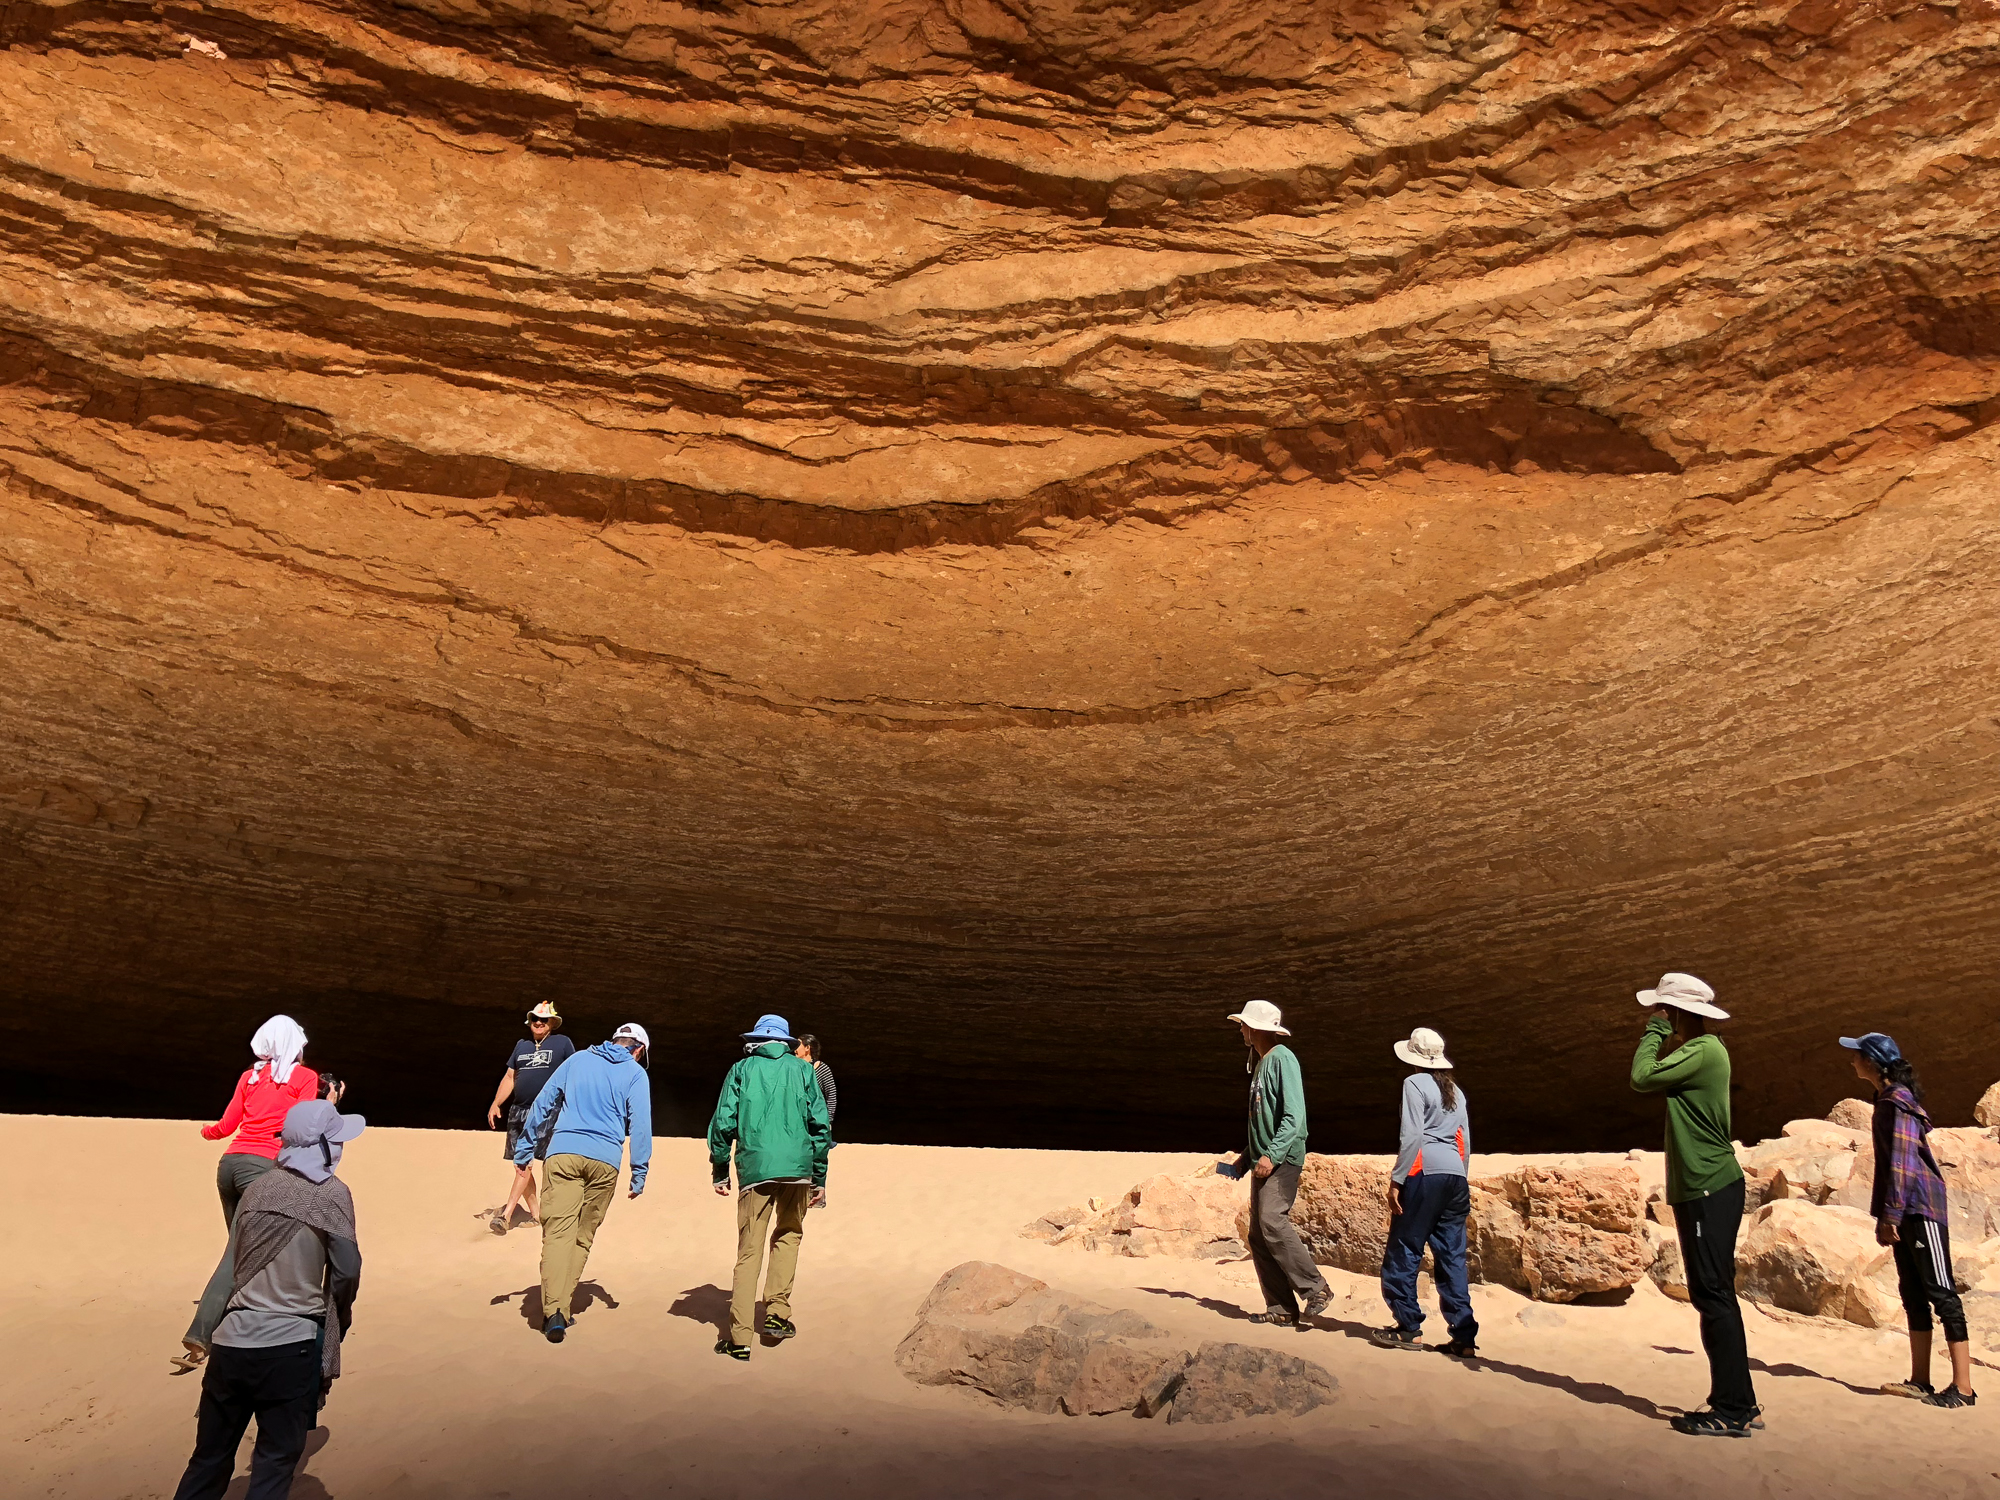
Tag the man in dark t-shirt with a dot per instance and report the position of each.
(534, 1058)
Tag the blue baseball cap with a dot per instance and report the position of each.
(1878, 1047)
(770, 1029)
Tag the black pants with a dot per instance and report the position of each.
(1923, 1276)
(280, 1387)
(1285, 1268)
(1708, 1229)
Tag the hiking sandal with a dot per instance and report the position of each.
(1319, 1302)
(734, 1351)
(1916, 1390)
(1460, 1349)
(1952, 1397)
(776, 1327)
(1712, 1424)
(1274, 1315)
(497, 1222)
(1393, 1338)
(192, 1357)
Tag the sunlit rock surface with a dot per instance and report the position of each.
(1000, 531)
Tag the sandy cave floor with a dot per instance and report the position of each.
(449, 1392)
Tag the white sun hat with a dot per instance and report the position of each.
(1684, 992)
(1424, 1049)
(1262, 1015)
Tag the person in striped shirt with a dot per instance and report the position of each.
(1910, 1211)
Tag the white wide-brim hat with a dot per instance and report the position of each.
(1262, 1015)
(1684, 992)
(1424, 1049)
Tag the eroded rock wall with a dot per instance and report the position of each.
(1022, 520)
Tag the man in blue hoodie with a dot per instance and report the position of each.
(597, 1099)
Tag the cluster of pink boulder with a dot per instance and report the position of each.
(1566, 1227)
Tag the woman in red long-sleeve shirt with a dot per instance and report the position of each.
(264, 1095)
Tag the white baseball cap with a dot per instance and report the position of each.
(1262, 1015)
(1424, 1049)
(1684, 992)
(636, 1032)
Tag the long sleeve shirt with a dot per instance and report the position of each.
(1434, 1139)
(258, 1108)
(1701, 1159)
(597, 1099)
(1908, 1179)
(1278, 1109)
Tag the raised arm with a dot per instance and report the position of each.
(1652, 1074)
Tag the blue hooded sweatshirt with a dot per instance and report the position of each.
(597, 1098)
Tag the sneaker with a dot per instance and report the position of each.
(1916, 1390)
(555, 1328)
(1713, 1424)
(734, 1351)
(776, 1327)
(1319, 1301)
(1394, 1338)
(1951, 1396)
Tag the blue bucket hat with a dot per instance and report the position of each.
(1878, 1047)
(770, 1029)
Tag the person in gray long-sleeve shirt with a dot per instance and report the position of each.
(1430, 1197)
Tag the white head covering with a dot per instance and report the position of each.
(279, 1042)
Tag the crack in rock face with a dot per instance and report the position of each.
(1000, 533)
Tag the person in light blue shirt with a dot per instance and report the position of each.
(1430, 1196)
(597, 1100)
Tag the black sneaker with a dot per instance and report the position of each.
(1951, 1396)
(734, 1351)
(555, 1328)
(776, 1327)
(1319, 1301)
(1713, 1424)
(1393, 1338)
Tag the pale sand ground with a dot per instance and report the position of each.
(113, 1225)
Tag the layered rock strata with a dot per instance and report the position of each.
(1430, 513)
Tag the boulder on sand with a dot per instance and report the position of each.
(1559, 1233)
(1027, 1344)
(1853, 1114)
(1196, 1216)
(1342, 1211)
(1798, 1256)
(1987, 1111)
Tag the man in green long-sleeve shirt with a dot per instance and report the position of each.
(1277, 1151)
(1704, 1186)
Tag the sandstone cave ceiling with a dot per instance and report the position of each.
(999, 529)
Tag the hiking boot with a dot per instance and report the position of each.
(734, 1351)
(776, 1327)
(555, 1328)
(1712, 1424)
(1916, 1390)
(1319, 1301)
(1394, 1338)
(1951, 1396)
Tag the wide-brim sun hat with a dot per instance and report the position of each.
(1262, 1015)
(1424, 1049)
(1684, 992)
(770, 1029)
(310, 1133)
(546, 1011)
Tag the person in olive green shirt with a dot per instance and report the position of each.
(1277, 1150)
(1704, 1186)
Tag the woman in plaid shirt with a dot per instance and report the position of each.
(1910, 1212)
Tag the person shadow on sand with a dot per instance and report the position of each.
(535, 1315)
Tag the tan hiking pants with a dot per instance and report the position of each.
(574, 1198)
(776, 1209)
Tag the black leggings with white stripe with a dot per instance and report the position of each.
(1923, 1274)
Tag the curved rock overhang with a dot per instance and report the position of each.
(1000, 531)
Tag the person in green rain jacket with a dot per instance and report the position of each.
(773, 1116)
